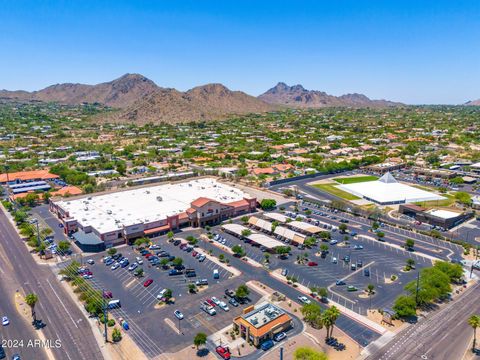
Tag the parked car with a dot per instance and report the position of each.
(148, 282)
(178, 314)
(223, 305)
(90, 261)
(202, 258)
(215, 300)
(351, 288)
(230, 293)
(107, 294)
(266, 345)
(174, 272)
(312, 263)
(366, 272)
(280, 336)
(132, 267)
(284, 272)
(233, 302)
(224, 352)
(115, 266)
(340, 283)
(304, 299)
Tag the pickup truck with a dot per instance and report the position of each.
(208, 309)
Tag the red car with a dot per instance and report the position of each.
(194, 253)
(312, 263)
(148, 282)
(210, 302)
(224, 352)
(107, 294)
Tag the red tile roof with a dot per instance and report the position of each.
(28, 175)
(201, 201)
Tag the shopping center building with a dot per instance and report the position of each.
(119, 217)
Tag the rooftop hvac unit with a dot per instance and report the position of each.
(254, 321)
(109, 212)
(159, 198)
(148, 192)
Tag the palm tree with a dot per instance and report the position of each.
(474, 322)
(31, 299)
(331, 316)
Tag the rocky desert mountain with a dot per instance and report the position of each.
(207, 102)
(299, 97)
(473, 102)
(118, 93)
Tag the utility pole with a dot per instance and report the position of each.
(38, 234)
(416, 291)
(281, 353)
(105, 315)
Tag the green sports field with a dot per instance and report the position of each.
(334, 190)
(355, 179)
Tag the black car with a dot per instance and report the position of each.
(176, 242)
(366, 272)
(179, 267)
(2, 353)
(117, 256)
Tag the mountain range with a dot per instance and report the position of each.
(299, 97)
(473, 103)
(138, 99)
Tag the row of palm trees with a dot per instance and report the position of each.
(313, 314)
(474, 322)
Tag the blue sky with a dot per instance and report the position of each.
(411, 51)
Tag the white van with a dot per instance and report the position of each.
(113, 304)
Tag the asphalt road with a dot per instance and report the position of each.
(443, 335)
(19, 332)
(64, 321)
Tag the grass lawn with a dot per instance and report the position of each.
(355, 179)
(332, 189)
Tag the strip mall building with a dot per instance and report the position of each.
(120, 217)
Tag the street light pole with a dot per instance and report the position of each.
(416, 291)
(105, 314)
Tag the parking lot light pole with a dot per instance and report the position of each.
(105, 314)
(417, 288)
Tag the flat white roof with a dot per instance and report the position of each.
(388, 190)
(300, 225)
(275, 216)
(258, 238)
(444, 214)
(113, 211)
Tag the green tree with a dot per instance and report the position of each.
(409, 244)
(268, 204)
(177, 261)
(404, 306)
(63, 246)
(463, 197)
(342, 227)
(312, 314)
(238, 250)
(370, 291)
(330, 317)
(244, 219)
(474, 322)
(306, 353)
(283, 250)
(170, 235)
(324, 248)
(31, 300)
(410, 264)
(309, 242)
(200, 339)
(242, 291)
(453, 271)
(112, 251)
(246, 232)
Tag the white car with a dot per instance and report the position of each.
(178, 314)
(115, 266)
(222, 305)
(5, 321)
(132, 267)
(304, 300)
(215, 300)
(139, 260)
(90, 261)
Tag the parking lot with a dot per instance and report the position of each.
(380, 258)
(139, 303)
